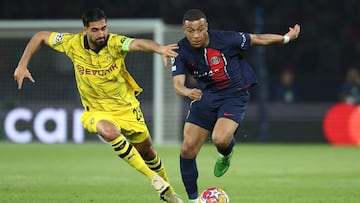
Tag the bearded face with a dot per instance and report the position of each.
(97, 34)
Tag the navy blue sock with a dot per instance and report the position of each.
(189, 175)
(228, 149)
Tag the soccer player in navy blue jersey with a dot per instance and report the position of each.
(213, 58)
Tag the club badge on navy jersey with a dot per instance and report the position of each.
(215, 60)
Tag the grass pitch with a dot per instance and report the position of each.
(269, 173)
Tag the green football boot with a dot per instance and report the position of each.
(222, 165)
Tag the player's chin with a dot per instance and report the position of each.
(196, 45)
(100, 43)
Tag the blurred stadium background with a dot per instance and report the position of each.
(329, 43)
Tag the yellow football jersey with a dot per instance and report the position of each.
(103, 82)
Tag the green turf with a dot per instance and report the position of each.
(91, 172)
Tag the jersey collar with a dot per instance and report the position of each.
(87, 46)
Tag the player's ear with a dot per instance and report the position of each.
(183, 27)
(86, 28)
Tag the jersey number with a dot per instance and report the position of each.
(137, 113)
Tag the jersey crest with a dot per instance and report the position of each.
(217, 63)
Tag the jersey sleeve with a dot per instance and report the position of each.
(58, 41)
(120, 41)
(178, 66)
(243, 40)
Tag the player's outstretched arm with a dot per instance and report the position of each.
(31, 48)
(268, 39)
(146, 45)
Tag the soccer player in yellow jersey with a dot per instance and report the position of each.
(108, 92)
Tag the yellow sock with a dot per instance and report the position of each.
(128, 153)
(156, 165)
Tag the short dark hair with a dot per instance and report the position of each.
(92, 15)
(193, 14)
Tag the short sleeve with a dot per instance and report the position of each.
(59, 41)
(178, 66)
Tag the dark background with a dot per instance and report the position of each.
(328, 45)
(329, 41)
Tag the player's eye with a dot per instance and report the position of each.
(200, 29)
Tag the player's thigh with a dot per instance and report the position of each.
(107, 130)
(194, 137)
(129, 122)
(91, 119)
(230, 114)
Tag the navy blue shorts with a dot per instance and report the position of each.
(210, 107)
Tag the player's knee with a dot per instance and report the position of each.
(110, 134)
(107, 131)
(188, 152)
(220, 142)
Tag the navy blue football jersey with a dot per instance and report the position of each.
(220, 65)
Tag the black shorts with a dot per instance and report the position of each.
(212, 106)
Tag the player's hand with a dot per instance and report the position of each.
(168, 51)
(21, 73)
(294, 32)
(194, 94)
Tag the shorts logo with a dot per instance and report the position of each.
(92, 121)
(228, 114)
